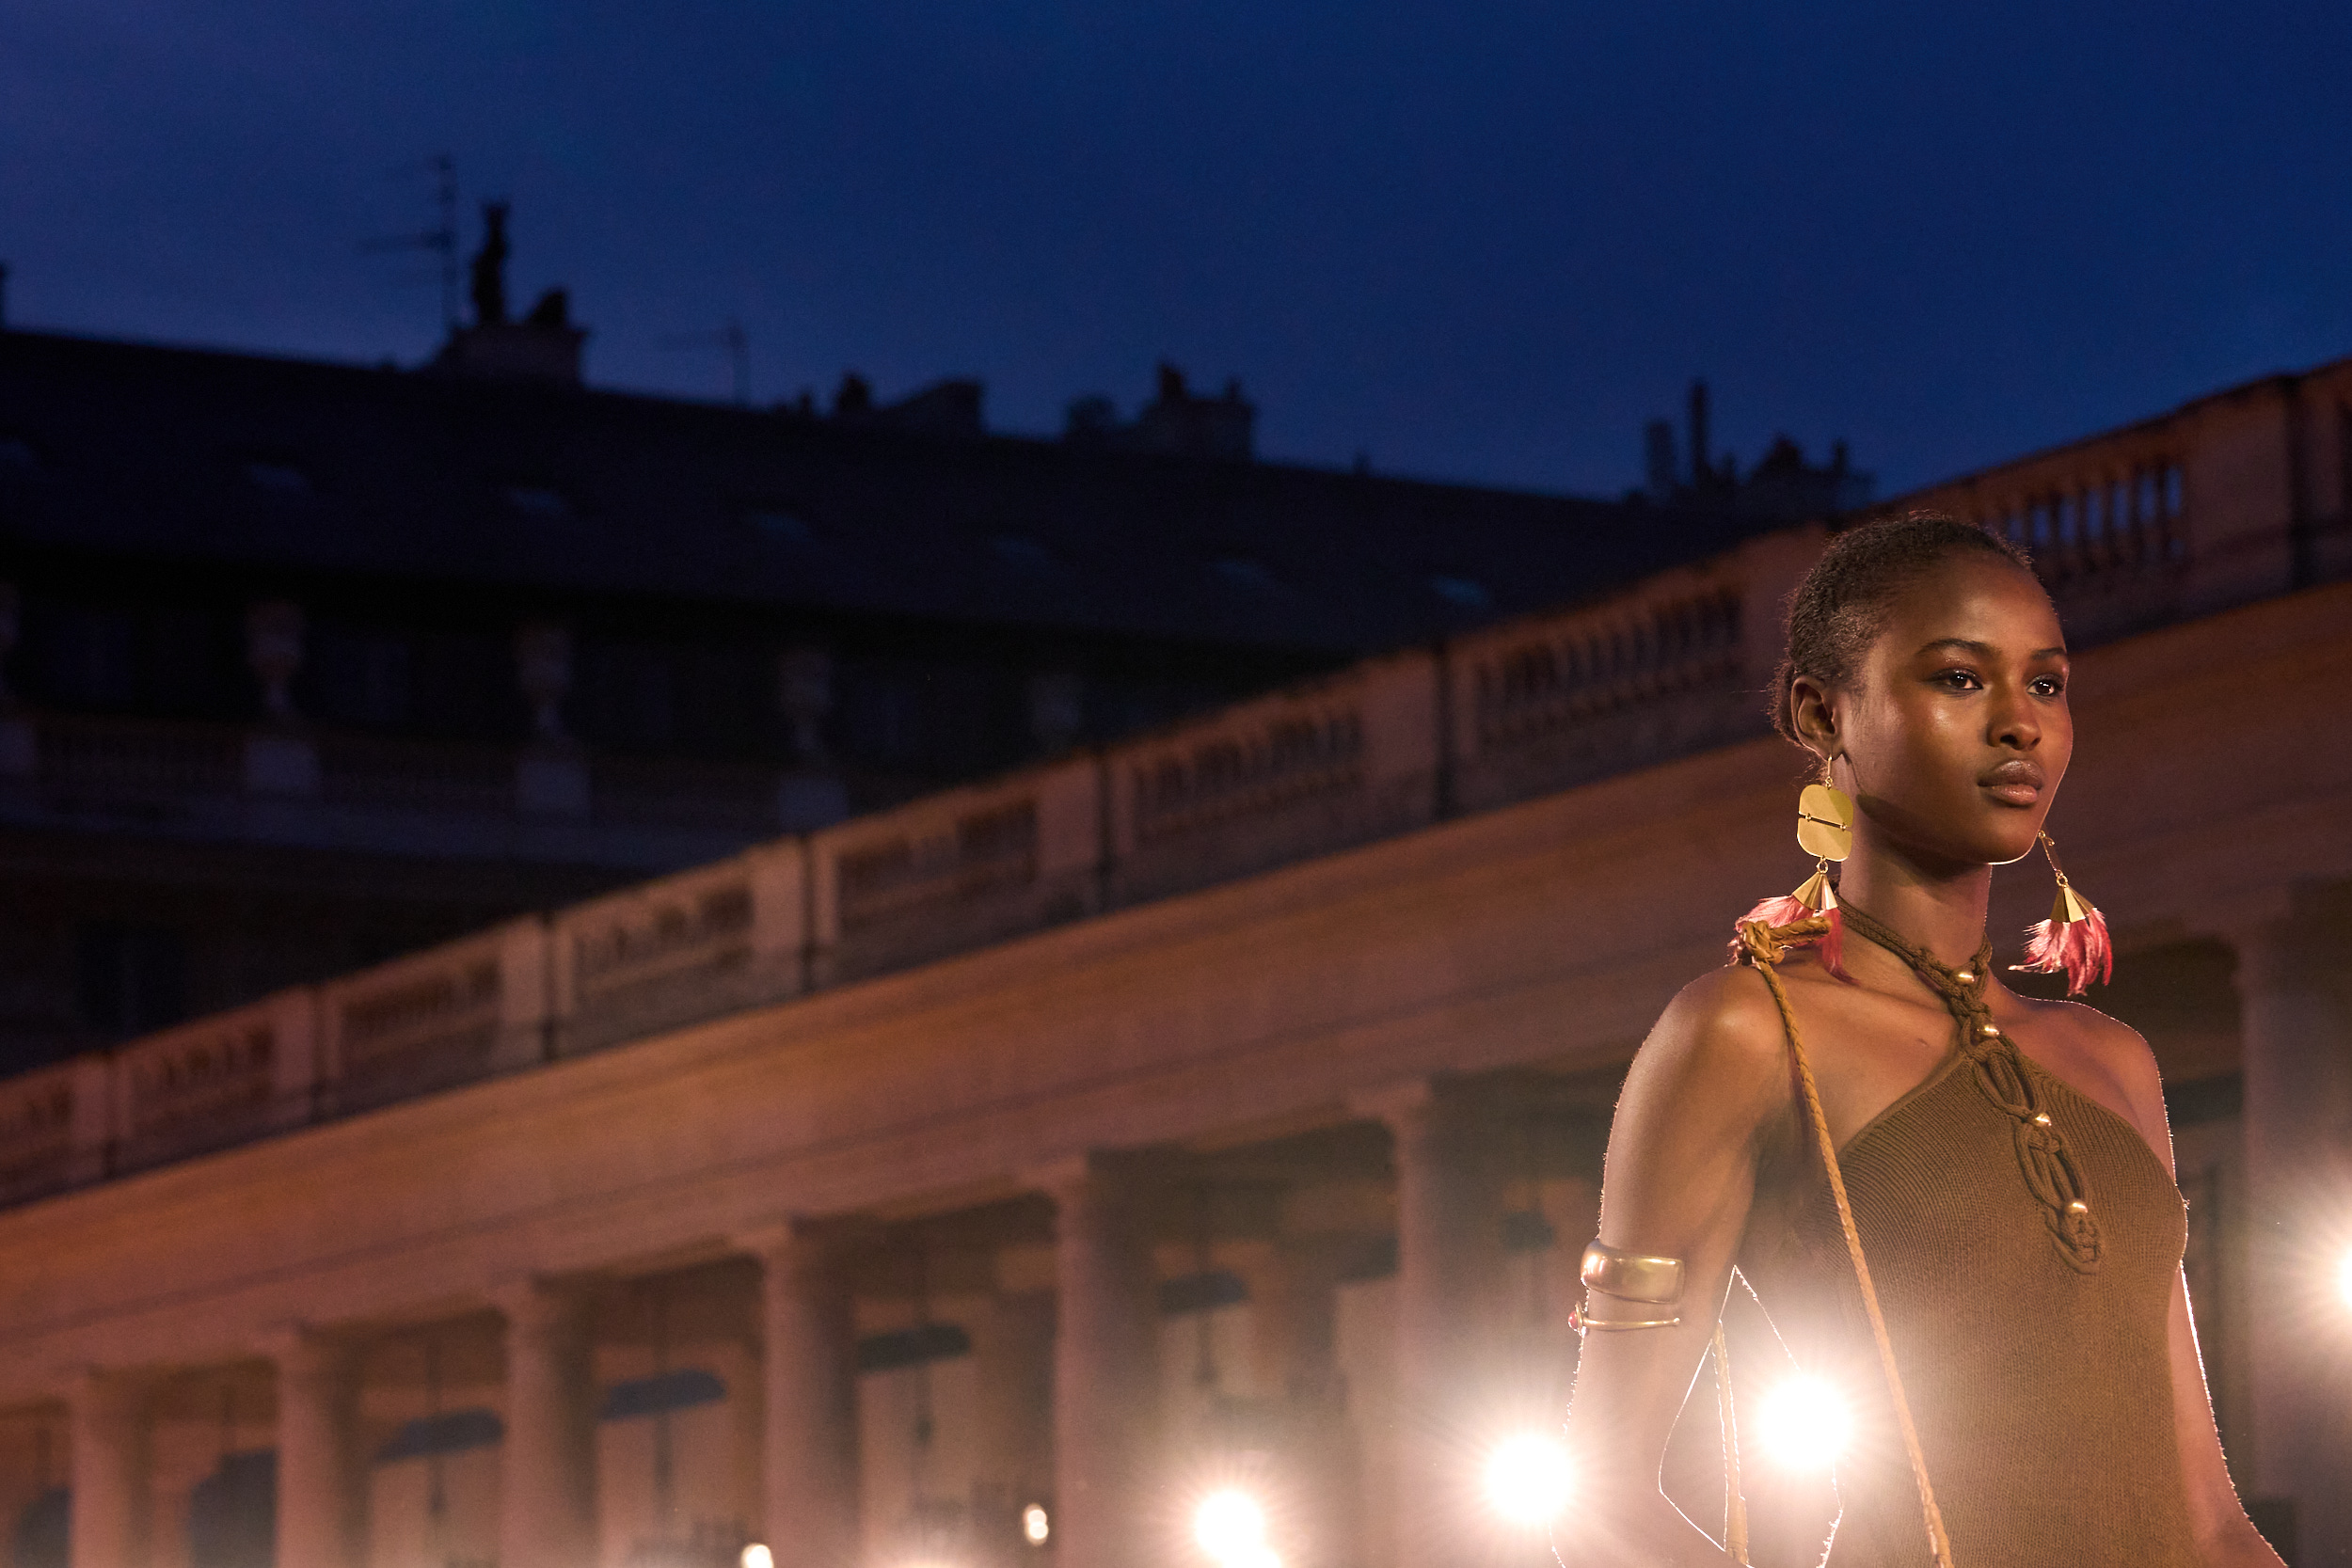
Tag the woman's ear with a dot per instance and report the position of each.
(1813, 716)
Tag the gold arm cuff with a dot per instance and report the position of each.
(1632, 1277)
(1578, 1320)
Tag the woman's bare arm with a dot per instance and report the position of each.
(1707, 1092)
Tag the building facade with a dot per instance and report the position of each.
(304, 666)
(1216, 1108)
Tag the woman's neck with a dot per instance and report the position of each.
(1942, 912)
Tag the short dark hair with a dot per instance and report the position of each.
(1840, 607)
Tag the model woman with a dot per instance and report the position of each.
(1956, 1202)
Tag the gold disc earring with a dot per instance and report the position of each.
(1825, 818)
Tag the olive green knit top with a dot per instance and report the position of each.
(2024, 1267)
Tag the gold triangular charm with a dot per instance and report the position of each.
(2068, 906)
(1816, 894)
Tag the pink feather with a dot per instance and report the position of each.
(2079, 949)
(1833, 945)
(1785, 910)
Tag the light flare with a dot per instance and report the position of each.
(1804, 1424)
(1231, 1527)
(1530, 1479)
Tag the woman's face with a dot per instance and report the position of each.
(1957, 733)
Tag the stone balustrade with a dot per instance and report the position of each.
(1294, 774)
(2215, 503)
(463, 1010)
(216, 1081)
(956, 870)
(706, 942)
(1675, 665)
(2158, 521)
(43, 1145)
(316, 787)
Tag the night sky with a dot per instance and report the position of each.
(1470, 241)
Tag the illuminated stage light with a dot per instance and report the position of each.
(1529, 1479)
(1804, 1424)
(756, 1556)
(1036, 1525)
(1231, 1527)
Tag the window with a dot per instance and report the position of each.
(1025, 553)
(278, 479)
(1245, 572)
(539, 502)
(1463, 592)
(359, 676)
(133, 977)
(780, 523)
(627, 695)
(84, 656)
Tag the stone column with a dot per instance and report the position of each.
(1107, 1370)
(1293, 1306)
(322, 1490)
(2296, 1034)
(114, 1479)
(548, 1468)
(809, 1471)
(1449, 1249)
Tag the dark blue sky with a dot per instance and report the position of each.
(1474, 240)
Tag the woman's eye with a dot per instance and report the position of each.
(2049, 686)
(1959, 680)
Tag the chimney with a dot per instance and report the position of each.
(1700, 471)
(543, 346)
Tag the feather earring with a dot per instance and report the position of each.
(1825, 831)
(2074, 941)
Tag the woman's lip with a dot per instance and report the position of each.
(2015, 793)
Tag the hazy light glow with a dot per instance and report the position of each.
(756, 1556)
(1804, 1424)
(1528, 1478)
(2344, 1280)
(1036, 1525)
(1231, 1527)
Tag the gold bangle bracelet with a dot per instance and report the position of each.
(1578, 1320)
(1631, 1275)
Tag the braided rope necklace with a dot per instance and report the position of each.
(2052, 1175)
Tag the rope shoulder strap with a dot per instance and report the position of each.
(1765, 947)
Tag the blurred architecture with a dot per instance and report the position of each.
(1782, 488)
(308, 665)
(1217, 1107)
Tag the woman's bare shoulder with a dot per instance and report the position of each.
(2116, 1051)
(1723, 1026)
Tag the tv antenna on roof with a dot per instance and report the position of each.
(737, 343)
(441, 238)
